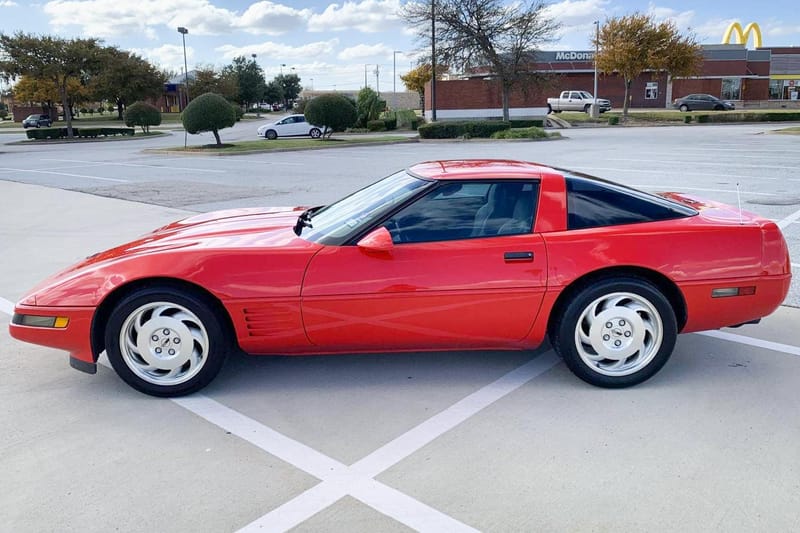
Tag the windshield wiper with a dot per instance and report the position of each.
(304, 220)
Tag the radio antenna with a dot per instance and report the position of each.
(739, 201)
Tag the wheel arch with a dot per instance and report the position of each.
(667, 287)
(111, 300)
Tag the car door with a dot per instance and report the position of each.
(465, 270)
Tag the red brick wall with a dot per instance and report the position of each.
(682, 87)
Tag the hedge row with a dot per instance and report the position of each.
(59, 133)
(765, 116)
(454, 130)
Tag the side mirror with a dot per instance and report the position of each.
(378, 240)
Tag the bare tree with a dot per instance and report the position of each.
(480, 33)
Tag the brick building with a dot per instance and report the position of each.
(763, 77)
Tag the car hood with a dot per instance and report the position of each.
(179, 249)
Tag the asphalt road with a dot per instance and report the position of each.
(433, 442)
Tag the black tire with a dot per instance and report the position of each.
(632, 317)
(557, 111)
(549, 109)
(271, 135)
(719, 108)
(684, 108)
(315, 133)
(157, 320)
(587, 108)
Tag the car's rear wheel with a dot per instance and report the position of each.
(684, 108)
(315, 133)
(587, 108)
(271, 135)
(616, 332)
(166, 342)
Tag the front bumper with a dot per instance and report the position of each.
(75, 338)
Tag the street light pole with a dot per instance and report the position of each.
(596, 48)
(183, 31)
(394, 78)
(433, 61)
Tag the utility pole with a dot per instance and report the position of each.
(365, 75)
(433, 60)
(378, 79)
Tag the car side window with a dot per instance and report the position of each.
(469, 210)
(592, 204)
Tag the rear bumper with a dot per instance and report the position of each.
(705, 312)
(75, 338)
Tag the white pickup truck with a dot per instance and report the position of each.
(576, 101)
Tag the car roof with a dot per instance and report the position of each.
(460, 169)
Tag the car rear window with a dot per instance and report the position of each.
(594, 203)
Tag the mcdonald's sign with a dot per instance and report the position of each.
(742, 36)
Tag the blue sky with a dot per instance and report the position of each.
(332, 42)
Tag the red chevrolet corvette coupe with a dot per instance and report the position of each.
(446, 255)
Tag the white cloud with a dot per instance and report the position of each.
(681, 19)
(278, 51)
(272, 19)
(168, 56)
(368, 16)
(363, 51)
(577, 13)
(8, 3)
(107, 18)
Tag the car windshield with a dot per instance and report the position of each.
(586, 95)
(338, 222)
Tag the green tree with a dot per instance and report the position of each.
(480, 33)
(142, 114)
(334, 111)
(249, 80)
(290, 87)
(126, 77)
(51, 58)
(208, 112)
(274, 92)
(369, 106)
(631, 44)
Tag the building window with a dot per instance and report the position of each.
(651, 90)
(731, 88)
(775, 89)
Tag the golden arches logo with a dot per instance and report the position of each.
(742, 36)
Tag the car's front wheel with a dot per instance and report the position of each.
(616, 332)
(684, 108)
(315, 133)
(271, 135)
(166, 342)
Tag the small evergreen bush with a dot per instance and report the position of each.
(142, 114)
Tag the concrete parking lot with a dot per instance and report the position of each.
(487, 441)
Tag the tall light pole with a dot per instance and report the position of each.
(282, 65)
(312, 83)
(394, 78)
(183, 31)
(596, 49)
(433, 61)
(365, 75)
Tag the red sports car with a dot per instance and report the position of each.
(446, 255)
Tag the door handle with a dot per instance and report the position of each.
(518, 257)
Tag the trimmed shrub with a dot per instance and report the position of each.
(111, 108)
(390, 123)
(142, 114)
(88, 133)
(521, 133)
(405, 118)
(702, 119)
(369, 106)
(238, 110)
(377, 125)
(687, 119)
(455, 129)
(208, 112)
(613, 121)
(117, 131)
(334, 111)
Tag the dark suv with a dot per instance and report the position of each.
(36, 121)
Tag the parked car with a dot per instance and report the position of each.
(36, 121)
(290, 126)
(699, 102)
(446, 255)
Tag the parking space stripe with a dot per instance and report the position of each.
(63, 174)
(114, 163)
(752, 341)
(791, 219)
(6, 306)
(729, 176)
(671, 162)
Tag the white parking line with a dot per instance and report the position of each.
(752, 341)
(114, 163)
(671, 162)
(6, 306)
(63, 174)
(794, 217)
(704, 189)
(728, 175)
